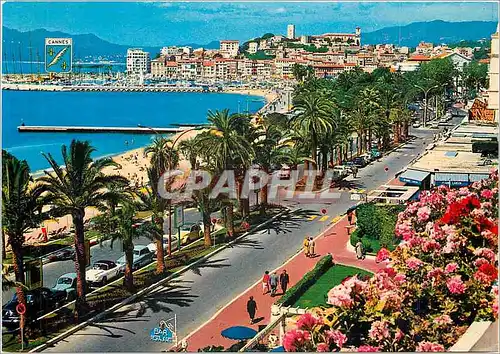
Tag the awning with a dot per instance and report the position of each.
(477, 177)
(413, 177)
(452, 179)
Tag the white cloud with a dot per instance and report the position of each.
(278, 10)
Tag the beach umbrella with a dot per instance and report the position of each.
(239, 333)
(278, 349)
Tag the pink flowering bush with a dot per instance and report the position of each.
(440, 278)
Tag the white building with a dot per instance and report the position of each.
(252, 47)
(290, 32)
(138, 61)
(304, 39)
(229, 48)
(493, 89)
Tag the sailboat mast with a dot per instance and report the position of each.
(6, 64)
(31, 59)
(20, 61)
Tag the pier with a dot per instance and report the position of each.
(75, 129)
(100, 88)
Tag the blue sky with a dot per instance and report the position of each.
(156, 24)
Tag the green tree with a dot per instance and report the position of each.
(22, 204)
(79, 185)
(475, 77)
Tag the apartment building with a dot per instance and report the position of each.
(159, 68)
(493, 74)
(290, 32)
(253, 47)
(138, 61)
(229, 48)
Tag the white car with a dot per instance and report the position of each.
(102, 271)
(416, 125)
(152, 245)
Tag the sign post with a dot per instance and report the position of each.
(178, 222)
(58, 55)
(21, 310)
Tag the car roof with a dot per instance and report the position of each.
(68, 275)
(104, 261)
(139, 247)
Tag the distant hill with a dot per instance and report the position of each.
(85, 46)
(434, 31)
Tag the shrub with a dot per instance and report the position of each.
(296, 291)
(367, 245)
(354, 238)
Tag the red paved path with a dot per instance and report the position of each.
(333, 241)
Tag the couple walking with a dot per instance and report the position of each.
(309, 247)
(270, 282)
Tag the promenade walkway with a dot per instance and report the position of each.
(334, 240)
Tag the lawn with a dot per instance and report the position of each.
(316, 295)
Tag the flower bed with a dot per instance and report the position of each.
(296, 291)
(437, 282)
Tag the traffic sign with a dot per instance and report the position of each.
(58, 55)
(323, 211)
(21, 309)
(179, 216)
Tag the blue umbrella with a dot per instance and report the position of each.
(278, 349)
(239, 333)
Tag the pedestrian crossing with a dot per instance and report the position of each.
(324, 218)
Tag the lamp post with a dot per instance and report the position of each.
(170, 165)
(426, 92)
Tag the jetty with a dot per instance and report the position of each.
(77, 129)
(102, 88)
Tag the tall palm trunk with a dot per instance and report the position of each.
(4, 251)
(314, 147)
(206, 228)
(263, 196)
(230, 219)
(128, 279)
(18, 264)
(80, 263)
(160, 253)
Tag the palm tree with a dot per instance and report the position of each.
(190, 150)
(163, 158)
(314, 116)
(22, 204)
(227, 148)
(81, 184)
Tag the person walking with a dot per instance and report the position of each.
(284, 280)
(360, 253)
(354, 171)
(306, 246)
(251, 309)
(265, 283)
(311, 247)
(273, 282)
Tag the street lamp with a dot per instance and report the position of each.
(426, 92)
(170, 165)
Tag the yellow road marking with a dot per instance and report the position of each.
(312, 217)
(324, 218)
(335, 219)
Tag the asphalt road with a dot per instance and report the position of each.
(202, 291)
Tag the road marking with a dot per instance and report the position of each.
(335, 219)
(324, 218)
(312, 217)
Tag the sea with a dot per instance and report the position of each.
(117, 109)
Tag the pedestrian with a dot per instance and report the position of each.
(306, 246)
(273, 282)
(311, 247)
(284, 280)
(265, 283)
(349, 217)
(360, 252)
(354, 171)
(251, 309)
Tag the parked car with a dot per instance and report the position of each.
(63, 255)
(191, 232)
(67, 283)
(38, 302)
(102, 271)
(284, 172)
(367, 157)
(142, 257)
(341, 171)
(416, 125)
(359, 161)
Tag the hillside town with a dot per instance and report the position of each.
(272, 57)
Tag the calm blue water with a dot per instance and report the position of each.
(25, 67)
(125, 109)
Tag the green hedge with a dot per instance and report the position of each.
(296, 291)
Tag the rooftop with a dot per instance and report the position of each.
(441, 161)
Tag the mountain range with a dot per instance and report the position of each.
(88, 46)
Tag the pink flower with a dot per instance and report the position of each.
(308, 321)
(429, 347)
(336, 337)
(480, 261)
(486, 193)
(443, 320)
(455, 285)
(451, 267)
(399, 335)
(400, 278)
(322, 347)
(414, 263)
(423, 213)
(494, 306)
(340, 296)
(379, 330)
(295, 340)
(368, 349)
(435, 273)
(382, 255)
